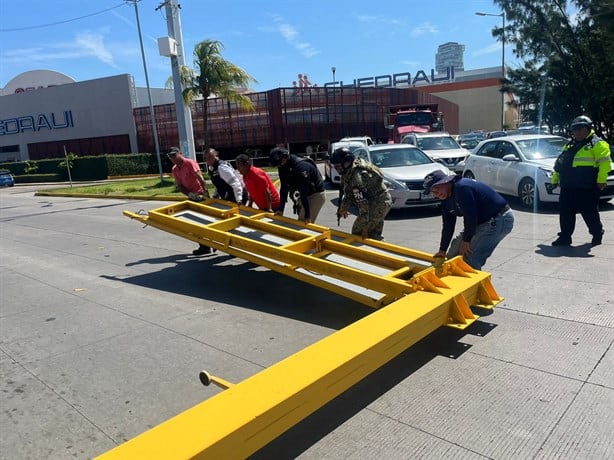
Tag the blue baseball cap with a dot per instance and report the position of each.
(435, 178)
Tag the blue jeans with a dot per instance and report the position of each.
(487, 236)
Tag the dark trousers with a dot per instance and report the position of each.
(583, 201)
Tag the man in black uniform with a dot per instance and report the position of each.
(301, 179)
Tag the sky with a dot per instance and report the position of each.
(272, 40)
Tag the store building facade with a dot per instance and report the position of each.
(111, 115)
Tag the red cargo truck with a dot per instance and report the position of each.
(412, 118)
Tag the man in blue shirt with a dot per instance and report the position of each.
(487, 217)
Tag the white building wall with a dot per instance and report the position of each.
(93, 108)
(478, 108)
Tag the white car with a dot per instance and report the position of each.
(441, 147)
(404, 167)
(357, 147)
(364, 139)
(521, 166)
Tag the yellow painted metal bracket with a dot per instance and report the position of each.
(413, 299)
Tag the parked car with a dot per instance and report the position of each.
(6, 178)
(441, 147)
(493, 134)
(522, 166)
(470, 140)
(357, 147)
(404, 167)
(365, 139)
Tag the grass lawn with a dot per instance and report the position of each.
(132, 187)
(150, 187)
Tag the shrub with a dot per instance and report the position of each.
(88, 167)
(35, 178)
(31, 167)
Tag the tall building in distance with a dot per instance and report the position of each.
(449, 54)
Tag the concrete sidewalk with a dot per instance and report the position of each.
(104, 326)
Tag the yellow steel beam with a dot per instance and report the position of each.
(416, 298)
(242, 419)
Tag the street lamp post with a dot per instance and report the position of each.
(502, 16)
(154, 130)
(334, 69)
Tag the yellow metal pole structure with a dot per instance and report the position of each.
(207, 379)
(415, 300)
(242, 419)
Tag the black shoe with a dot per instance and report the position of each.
(560, 241)
(596, 241)
(202, 250)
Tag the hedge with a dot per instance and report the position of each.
(35, 178)
(89, 167)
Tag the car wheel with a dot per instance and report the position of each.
(468, 175)
(527, 193)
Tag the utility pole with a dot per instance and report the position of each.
(502, 16)
(154, 130)
(184, 114)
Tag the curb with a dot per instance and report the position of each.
(117, 197)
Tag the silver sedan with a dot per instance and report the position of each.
(404, 167)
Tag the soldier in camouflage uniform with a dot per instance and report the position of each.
(363, 186)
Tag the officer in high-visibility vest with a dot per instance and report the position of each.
(581, 170)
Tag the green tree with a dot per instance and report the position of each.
(213, 75)
(68, 163)
(568, 52)
(31, 167)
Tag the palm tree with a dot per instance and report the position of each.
(213, 75)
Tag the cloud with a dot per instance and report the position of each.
(424, 29)
(494, 48)
(84, 44)
(291, 36)
(410, 63)
(132, 25)
(92, 45)
(288, 32)
(378, 18)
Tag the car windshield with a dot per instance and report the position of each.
(391, 158)
(437, 143)
(360, 152)
(538, 149)
(415, 118)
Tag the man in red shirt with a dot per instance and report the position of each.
(258, 184)
(190, 181)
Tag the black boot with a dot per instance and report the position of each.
(596, 241)
(562, 241)
(202, 250)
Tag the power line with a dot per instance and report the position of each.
(60, 22)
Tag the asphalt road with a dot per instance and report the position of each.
(104, 326)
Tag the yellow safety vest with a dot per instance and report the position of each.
(593, 157)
